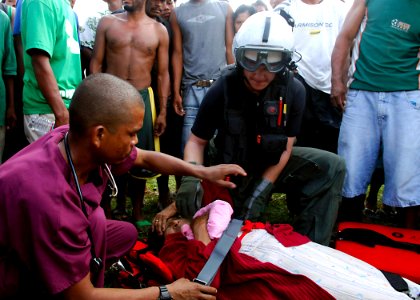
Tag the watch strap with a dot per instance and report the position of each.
(164, 293)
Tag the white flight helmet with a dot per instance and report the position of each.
(264, 38)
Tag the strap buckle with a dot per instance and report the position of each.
(200, 281)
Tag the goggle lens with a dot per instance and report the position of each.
(251, 59)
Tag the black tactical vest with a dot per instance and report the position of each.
(254, 134)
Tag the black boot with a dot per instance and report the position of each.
(351, 209)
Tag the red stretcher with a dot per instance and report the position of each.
(390, 249)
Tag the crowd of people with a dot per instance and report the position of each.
(298, 98)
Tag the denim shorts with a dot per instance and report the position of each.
(390, 118)
(192, 96)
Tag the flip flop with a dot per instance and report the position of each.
(143, 227)
(120, 215)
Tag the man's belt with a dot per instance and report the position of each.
(203, 83)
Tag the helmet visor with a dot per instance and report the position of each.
(273, 59)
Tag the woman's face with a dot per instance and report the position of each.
(173, 225)
(240, 19)
(258, 80)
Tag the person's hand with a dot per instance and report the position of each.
(179, 109)
(220, 174)
(185, 289)
(159, 221)
(11, 118)
(338, 95)
(61, 119)
(160, 124)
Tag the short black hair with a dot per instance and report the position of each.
(241, 9)
(260, 2)
(102, 99)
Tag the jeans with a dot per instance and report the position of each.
(392, 118)
(192, 96)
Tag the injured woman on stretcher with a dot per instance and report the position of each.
(271, 262)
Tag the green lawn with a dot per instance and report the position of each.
(276, 212)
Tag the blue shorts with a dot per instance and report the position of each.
(392, 118)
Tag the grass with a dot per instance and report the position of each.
(276, 211)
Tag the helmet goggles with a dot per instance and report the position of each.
(274, 59)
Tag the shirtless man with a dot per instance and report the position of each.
(127, 45)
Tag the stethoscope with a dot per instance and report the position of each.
(96, 263)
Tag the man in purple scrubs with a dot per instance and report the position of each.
(54, 237)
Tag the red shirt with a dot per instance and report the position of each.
(240, 276)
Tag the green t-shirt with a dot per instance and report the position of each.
(50, 25)
(387, 57)
(7, 59)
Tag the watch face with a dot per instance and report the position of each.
(164, 293)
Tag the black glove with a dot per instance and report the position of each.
(255, 205)
(189, 196)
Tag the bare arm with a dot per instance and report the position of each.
(166, 164)
(194, 149)
(98, 54)
(272, 173)
(177, 64)
(17, 41)
(229, 37)
(163, 84)
(48, 85)
(199, 228)
(10, 112)
(341, 53)
(180, 289)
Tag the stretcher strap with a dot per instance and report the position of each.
(219, 252)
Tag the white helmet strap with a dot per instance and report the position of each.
(266, 29)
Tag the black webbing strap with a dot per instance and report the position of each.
(396, 281)
(370, 238)
(266, 32)
(216, 258)
(287, 17)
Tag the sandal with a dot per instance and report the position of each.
(369, 212)
(119, 214)
(143, 228)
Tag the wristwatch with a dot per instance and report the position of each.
(164, 293)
